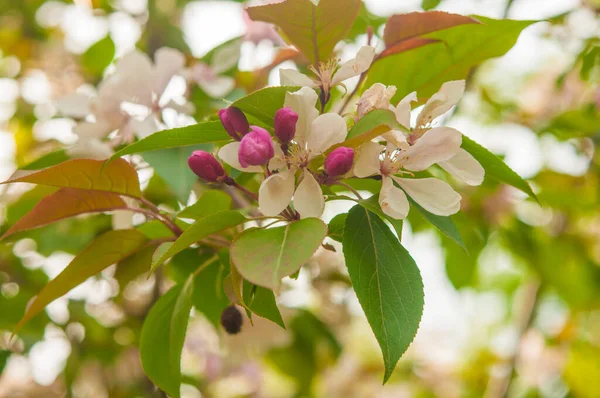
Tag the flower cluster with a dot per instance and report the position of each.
(306, 148)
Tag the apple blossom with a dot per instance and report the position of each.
(285, 124)
(339, 161)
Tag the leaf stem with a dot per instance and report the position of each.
(155, 211)
(354, 191)
(205, 264)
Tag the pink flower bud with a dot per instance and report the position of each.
(285, 124)
(339, 161)
(205, 166)
(256, 148)
(235, 122)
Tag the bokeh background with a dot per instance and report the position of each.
(518, 315)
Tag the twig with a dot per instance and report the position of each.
(165, 220)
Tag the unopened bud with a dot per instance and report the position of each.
(231, 320)
(339, 161)
(205, 166)
(235, 122)
(285, 124)
(256, 148)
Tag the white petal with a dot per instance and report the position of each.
(187, 108)
(303, 103)
(377, 96)
(90, 149)
(441, 102)
(74, 105)
(436, 145)
(465, 167)
(392, 200)
(291, 77)
(397, 139)
(326, 130)
(278, 161)
(168, 62)
(275, 193)
(86, 130)
(229, 154)
(308, 198)
(226, 57)
(146, 127)
(355, 66)
(403, 109)
(217, 87)
(432, 194)
(367, 161)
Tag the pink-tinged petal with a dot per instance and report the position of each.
(275, 193)
(464, 167)
(377, 96)
(392, 200)
(367, 160)
(291, 77)
(432, 194)
(326, 130)
(99, 130)
(217, 86)
(436, 145)
(403, 109)
(146, 127)
(229, 154)
(356, 66)
(308, 198)
(74, 105)
(303, 103)
(397, 139)
(441, 102)
(167, 63)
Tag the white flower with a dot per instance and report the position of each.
(210, 77)
(328, 74)
(432, 194)
(314, 135)
(463, 165)
(125, 102)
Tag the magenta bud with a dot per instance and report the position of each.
(339, 161)
(256, 148)
(285, 124)
(205, 166)
(235, 122)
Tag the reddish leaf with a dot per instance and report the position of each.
(314, 30)
(406, 45)
(118, 176)
(64, 203)
(401, 27)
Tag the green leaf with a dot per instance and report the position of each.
(460, 48)
(163, 335)
(201, 133)
(336, 227)
(495, 167)
(444, 224)
(209, 298)
(387, 283)
(98, 56)
(430, 4)
(376, 118)
(263, 104)
(262, 302)
(135, 265)
(200, 230)
(49, 159)
(265, 256)
(211, 202)
(107, 249)
(4, 355)
(372, 204)
(171, 164)
(313, 29)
